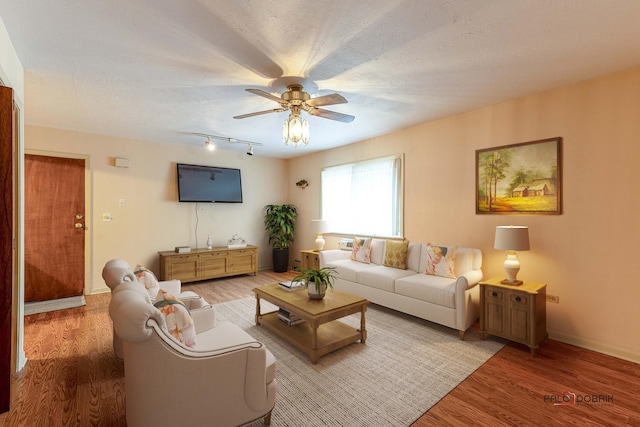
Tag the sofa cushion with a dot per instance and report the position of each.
(377, 251)
(434, 289)
(395, 254)
(382, 277)
(441, 260)
(361, 251)
(148, 279)
(414, 253)
(347, 269)
(177, 318)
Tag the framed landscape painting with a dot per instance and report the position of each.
(521, 178)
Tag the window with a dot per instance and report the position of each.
(364, 198)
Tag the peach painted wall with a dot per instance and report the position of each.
(586, 255)
(152, 219)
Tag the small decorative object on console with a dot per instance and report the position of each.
(236, 242)
(183, 249)
(209, 242)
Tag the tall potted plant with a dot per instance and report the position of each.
(279, 221)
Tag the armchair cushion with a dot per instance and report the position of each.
(177, 318)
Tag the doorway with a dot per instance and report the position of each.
(54, 232)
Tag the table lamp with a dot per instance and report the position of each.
(512, 238)
(319, 227)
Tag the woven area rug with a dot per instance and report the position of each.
(405, 367)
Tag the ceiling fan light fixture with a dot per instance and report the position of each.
(295, 131)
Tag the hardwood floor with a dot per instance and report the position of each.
(72, 377)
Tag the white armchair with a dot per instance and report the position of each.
(226, 378)
(118, 270)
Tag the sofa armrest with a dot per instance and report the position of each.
(468, 280)
(467, 299)
(204, 318)
(172, 287)
(333, 255)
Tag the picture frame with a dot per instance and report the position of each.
(524, 178)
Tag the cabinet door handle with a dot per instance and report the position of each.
(494, 294)
(518, 299)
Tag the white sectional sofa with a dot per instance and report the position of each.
(449, 301)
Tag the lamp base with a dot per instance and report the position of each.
(512, 282)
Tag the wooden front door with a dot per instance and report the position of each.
(54, 230)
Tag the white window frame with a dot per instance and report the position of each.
(365, 198)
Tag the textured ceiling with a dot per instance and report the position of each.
(162, 70)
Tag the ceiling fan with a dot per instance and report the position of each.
(295, 99)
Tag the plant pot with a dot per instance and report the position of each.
(280, 260)
(313, 293)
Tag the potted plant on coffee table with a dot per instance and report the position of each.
(317, 280)
(279, 221)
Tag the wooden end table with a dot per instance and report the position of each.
(321, 332)
(517, 313)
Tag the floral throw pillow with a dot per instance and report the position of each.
(148, 279)
(177, 317)
(361, 251)
(440, 260)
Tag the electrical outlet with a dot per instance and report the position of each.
(553, 298)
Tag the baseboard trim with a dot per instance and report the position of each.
(52, 305)
(101, 290)
(618, 352)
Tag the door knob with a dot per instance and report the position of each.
(79, 225)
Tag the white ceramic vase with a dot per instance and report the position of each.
(313, 293)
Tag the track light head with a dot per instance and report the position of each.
(209, 145)
(250, 150)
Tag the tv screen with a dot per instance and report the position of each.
(209, 184)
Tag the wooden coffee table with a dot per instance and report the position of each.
(321, 332)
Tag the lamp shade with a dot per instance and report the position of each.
(319, 226)
(512, 238)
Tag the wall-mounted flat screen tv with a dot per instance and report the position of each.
(209, 184)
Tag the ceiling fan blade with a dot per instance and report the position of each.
(266, 95)
(244, 116)
(345, 118)
(327, 100)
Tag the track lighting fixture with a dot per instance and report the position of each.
(211, 146)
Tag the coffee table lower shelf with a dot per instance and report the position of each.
(330, 336)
